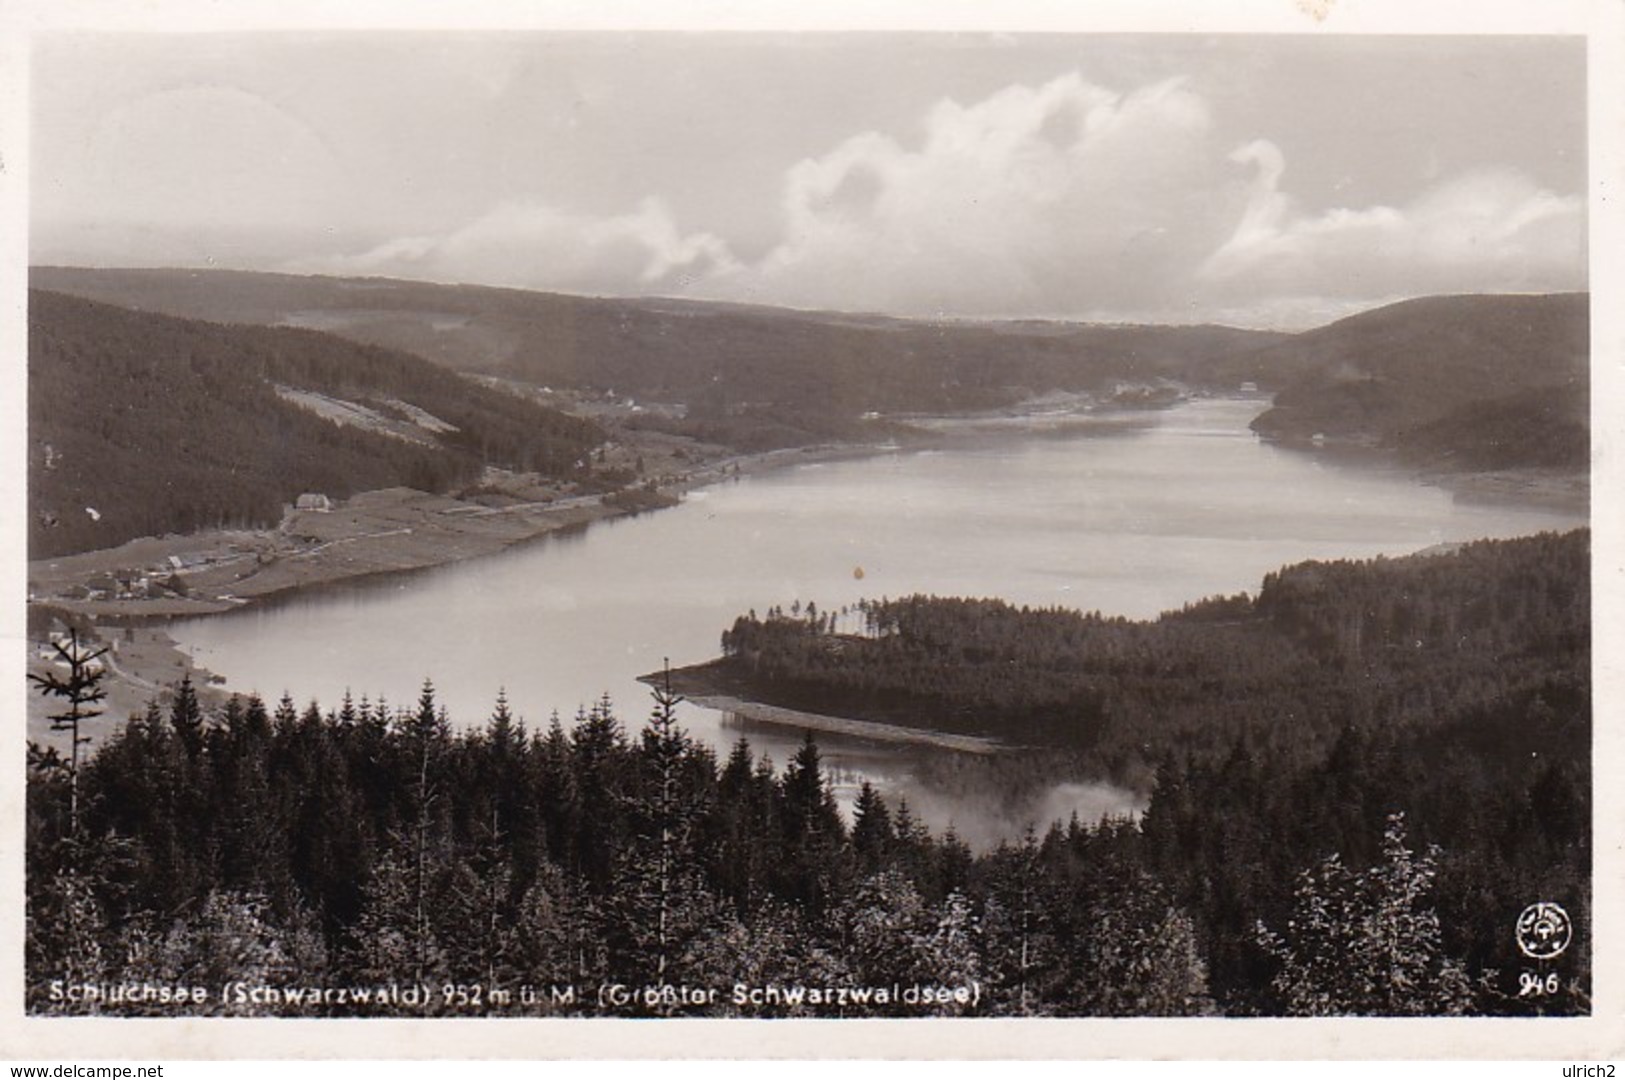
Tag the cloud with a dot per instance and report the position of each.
(1034, 201)
(1072, 199)
(1486, 230)
(1064, 199)
(533, 245)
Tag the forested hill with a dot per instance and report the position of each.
(807, 367)
(1418, 643)
(1372, 859)
(160, 424)
(1467, 383)
(1455, 382)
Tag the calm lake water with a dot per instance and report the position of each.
(1128, 518)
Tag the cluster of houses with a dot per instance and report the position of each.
(142, 584)
(162, 580)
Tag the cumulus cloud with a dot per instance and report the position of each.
(1491, 229)
(1065, 199)
(1034, 201)
(1072, 199)
(534, 245)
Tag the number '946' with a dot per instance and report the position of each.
(1532, 985)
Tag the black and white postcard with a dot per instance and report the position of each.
(682, 531)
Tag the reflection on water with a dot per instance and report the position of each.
(980, 820)
(1185, 503)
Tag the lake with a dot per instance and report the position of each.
(1128, 517)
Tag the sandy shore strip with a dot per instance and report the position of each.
(143, 664)
(840, 725)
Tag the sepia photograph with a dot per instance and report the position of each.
(585, 523)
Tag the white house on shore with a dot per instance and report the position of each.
(314, 501)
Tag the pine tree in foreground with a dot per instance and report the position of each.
(82, 690)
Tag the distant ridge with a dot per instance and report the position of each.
(807, 371)
(1454, 382)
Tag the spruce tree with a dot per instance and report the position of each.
(186, 716)
(812, 836)
(82, 690)
(427, 732)
(872, 835)
(665, 746)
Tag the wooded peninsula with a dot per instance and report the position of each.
(1358, 779)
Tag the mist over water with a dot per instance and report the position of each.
(983, 823)
(1128, 519)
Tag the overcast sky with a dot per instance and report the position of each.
(1255, 180)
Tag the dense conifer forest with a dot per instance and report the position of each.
(1475, 382)
(721, 357)
(1397, 644)
(1357, 781)
(1446, 382)
(164, 425)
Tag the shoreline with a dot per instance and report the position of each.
(373, 534)
(874, 731)
(400, 530)
(144, 664)
(1553, 490)
(781, 716)
(1558, 490)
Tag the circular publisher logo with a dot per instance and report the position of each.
(1544, 931)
